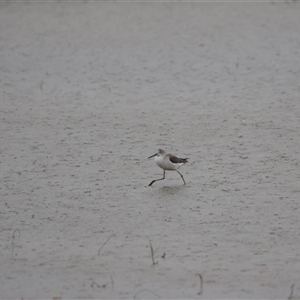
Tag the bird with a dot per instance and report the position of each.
(168, 162)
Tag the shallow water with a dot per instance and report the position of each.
(90, 90)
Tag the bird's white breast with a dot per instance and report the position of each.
(166, 164)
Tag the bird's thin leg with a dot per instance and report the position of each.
(157, 179)
(181, 176)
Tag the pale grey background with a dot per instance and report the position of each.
(90, 90)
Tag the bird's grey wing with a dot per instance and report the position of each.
(176, 160)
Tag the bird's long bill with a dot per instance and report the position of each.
(152, 155)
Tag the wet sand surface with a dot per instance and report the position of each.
(90, 90)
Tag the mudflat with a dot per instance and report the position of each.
(89, 90)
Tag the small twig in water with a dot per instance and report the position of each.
(94, 283)
(98, 286)
(112, 283)
(105, 243)
(201, 284)
(145, 290)
(292, 292)
(13, 241)
(152, 253)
